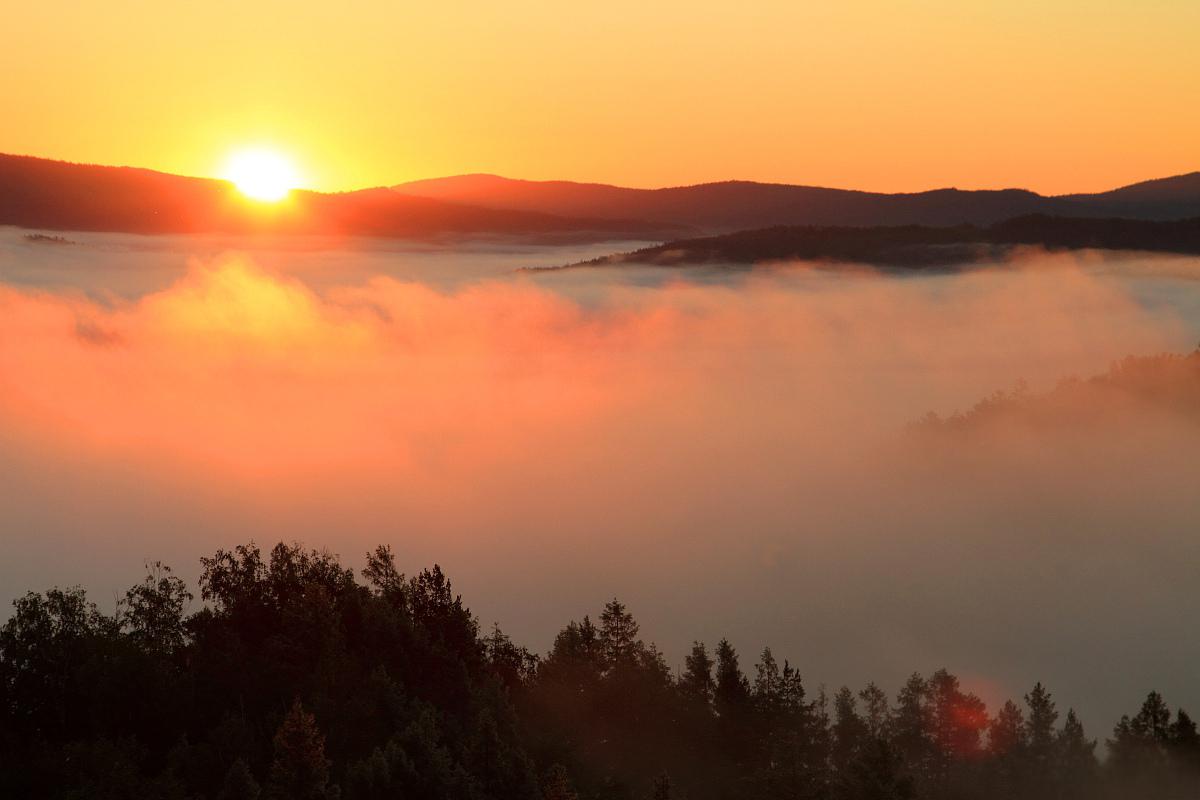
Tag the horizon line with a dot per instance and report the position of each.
(573, 182)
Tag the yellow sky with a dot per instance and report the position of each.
(1058, 95)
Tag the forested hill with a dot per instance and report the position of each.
(1134, 390)
(727, 206)
(298, 679)
(45, 194)
(54, 195)
(916, 246)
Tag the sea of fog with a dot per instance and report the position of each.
(726, 450)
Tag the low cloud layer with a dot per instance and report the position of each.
(730, 458)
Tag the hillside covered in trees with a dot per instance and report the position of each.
(728, 206)
(54, 195)
(1134, 391)
(914, 246)
(296, 678)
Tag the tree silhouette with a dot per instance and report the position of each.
(912, 729)
(697, 680)
(300, 770)
(732, 690)
(1040, 735)
(877, 714)
(618, 634)
(415, 702)
(850, 732)
(153, 611)
(877, 774)
(1009, 750)
(1184, 742)
(1076, 757)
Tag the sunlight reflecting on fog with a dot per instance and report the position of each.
(707, 445)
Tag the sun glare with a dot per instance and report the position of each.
(261, 174)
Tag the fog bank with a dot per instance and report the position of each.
(729, 456)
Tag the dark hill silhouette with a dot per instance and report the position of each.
(735, 205)
(917, 246)
(1164, 198)
(55, 195)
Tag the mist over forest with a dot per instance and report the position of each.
(602, 401)
(298, 679)
(734, 455)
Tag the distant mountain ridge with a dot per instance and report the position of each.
(1175, 197)
(56, 195)
(737, 205)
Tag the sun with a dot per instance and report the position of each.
(261, 174)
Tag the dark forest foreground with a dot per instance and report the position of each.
(299, 679)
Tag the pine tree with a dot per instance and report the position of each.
(959, 718)
(912, 723)
(1006, 733)
(512, 664)
(850, 732)
(1153, 721)
(877, 774)
(876, 713)
(576, 657)
(618, 634)
(768, 685)
(732, 690)
(1007, 746)
(736, 734)
(1138, 751)
(1185, 743)
(1039, 732)
(791, 690)
(300, 770)
(1075, 760)
(697, 680)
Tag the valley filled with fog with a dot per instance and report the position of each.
(729, 451)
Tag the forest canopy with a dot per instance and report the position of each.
(289, 676)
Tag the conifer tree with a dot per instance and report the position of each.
(300, 770)
(1039, 733)
(768, 685)
(697, 679)
(618, 634)
(732, 690)
(1185, 742)
(850, 731)
(1075, 759)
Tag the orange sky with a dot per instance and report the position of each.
(1057, 95)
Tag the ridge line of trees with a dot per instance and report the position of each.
(297, 680)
